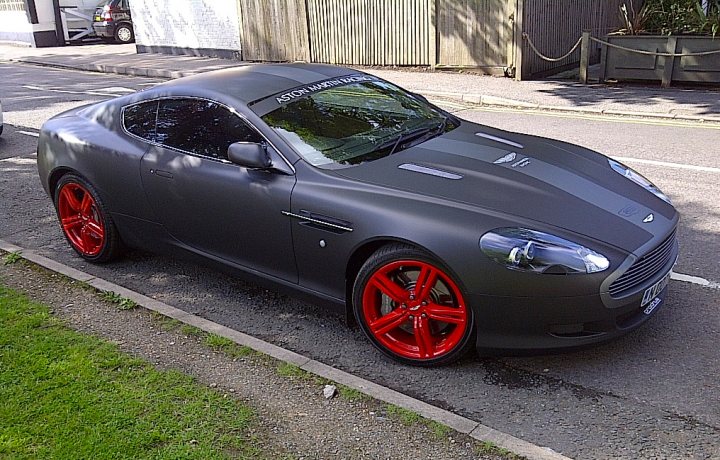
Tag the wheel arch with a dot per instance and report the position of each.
(55, 177)
(125, 23)
(362, 253)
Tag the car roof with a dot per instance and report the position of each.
(253, 82)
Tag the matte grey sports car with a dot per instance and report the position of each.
(434, 233)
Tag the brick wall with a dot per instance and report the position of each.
(186, 24)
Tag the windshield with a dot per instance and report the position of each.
(351, 124)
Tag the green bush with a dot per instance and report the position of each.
(671, 17)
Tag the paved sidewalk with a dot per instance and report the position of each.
(697, 103)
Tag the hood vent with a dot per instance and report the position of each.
(430, 171)
(499, 139)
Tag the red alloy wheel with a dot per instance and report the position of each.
(80, 219)
(414, 310)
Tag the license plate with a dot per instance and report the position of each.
(654, 290)
(98, 19)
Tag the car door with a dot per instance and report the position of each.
(209, 204)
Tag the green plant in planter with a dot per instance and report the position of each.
(634, 21)
(708, 21)
(671, 17)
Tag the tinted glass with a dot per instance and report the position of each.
(201, 127)
(355, 123)
(139, 119)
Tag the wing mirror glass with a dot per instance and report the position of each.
(249, 155)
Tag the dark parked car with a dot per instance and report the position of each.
(435, 233)
(112, 21)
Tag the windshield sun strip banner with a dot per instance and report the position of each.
(270, 103)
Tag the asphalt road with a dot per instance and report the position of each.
(651, 394)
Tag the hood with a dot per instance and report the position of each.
(526, 177)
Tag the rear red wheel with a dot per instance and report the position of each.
(84, 221)
(411, 308)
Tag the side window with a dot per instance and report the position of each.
(201, 127)
(139, 119)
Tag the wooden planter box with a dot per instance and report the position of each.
(623, 65)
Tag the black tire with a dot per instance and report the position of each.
(124, 33)
(91, 245)
(449, 342)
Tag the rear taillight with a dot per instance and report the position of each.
(107, 13)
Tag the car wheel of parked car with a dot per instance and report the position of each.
(411, 308)
(85, 221)
(124, 33)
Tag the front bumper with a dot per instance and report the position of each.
(521, 325)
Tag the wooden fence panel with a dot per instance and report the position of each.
(555, 26)
(273, 30)
(370, 32)
(473, 33)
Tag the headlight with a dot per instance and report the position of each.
(638, 179)
(533, 251)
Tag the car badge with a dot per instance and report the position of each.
(522, 163)
(628, 211)
(649, 218)
(506, 159)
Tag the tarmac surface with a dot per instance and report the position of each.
(688, 102)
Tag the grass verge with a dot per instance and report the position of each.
(67, 395)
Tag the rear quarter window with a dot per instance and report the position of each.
(140, 120)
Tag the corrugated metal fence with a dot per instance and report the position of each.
(274, 30)
(370, 32)
(459, 33)
(475, 33)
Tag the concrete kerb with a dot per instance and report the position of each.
(9, 247)
(501, 102)
(471, 98)
(458, 423)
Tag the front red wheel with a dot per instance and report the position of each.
(83, 219)
(410, 307)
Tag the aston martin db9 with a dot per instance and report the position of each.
(437, 235)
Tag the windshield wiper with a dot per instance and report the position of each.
(410, 135)
(420, 135)
(443, 124)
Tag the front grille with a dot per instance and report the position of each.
(644, 268)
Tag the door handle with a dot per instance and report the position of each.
(161, 173)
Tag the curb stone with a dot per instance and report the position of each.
(458, 423)
(473, 98)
